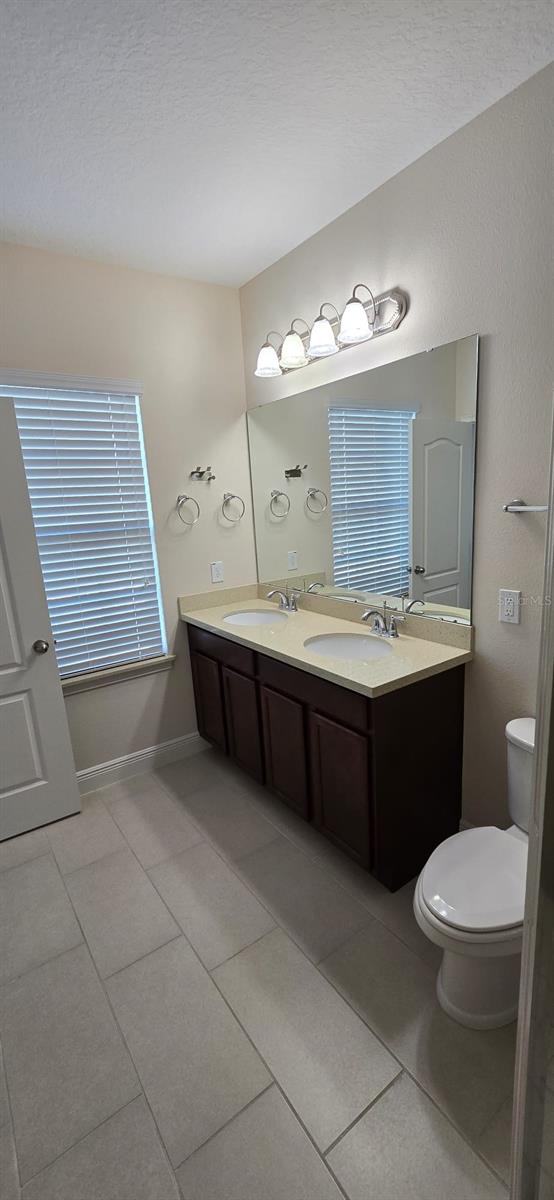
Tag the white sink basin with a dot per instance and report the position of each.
(262, 617)
(361, 647)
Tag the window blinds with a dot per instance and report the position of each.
(370, 498)
(86, 473)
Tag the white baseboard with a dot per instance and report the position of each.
(92, 778)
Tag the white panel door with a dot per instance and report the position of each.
(37, 774)
(442, 511)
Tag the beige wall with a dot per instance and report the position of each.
(182, 341)
(465, 231)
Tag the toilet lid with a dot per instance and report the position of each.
(476, 880)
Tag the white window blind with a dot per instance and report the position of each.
(86, 473)
(369, 453)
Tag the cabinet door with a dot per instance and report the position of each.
(285, 749)
(341, 788)
(206, 675)
(243, 721)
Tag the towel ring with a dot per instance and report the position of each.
(313, 491)
(227, 497)
(275, 496)
(185, 500)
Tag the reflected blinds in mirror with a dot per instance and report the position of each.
(369, 451)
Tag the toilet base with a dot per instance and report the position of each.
(481, 993)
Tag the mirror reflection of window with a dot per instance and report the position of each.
(369, 452)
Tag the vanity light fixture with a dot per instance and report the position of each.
(322, 338)
(354, 324)
(359, 321)
(267, 366)
(293, 351)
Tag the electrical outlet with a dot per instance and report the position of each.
(509, 605)
(292, 560)
(216, 569)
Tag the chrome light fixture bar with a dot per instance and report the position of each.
(359, 321)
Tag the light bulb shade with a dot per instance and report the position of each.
(293, 354)
(267, 365)
(354, 325)
(322, 339)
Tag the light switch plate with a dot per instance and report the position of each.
(216, 569)
(509, 605)
(292, 560)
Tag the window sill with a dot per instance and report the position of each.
(121, 674)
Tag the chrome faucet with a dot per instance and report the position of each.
(409, 606)
(314, 585)
(286, 603)
(381, 625)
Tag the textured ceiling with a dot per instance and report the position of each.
(207, 139)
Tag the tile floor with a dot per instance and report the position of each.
(202, 999)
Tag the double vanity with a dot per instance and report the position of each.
(362, 499)
(360, 734)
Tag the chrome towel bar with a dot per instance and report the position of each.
(517, 506)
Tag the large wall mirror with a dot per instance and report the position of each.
(363, 488)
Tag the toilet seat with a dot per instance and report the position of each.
(474, 882)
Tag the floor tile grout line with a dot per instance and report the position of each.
(93, 863)
(123, 1040)
(363, 1114)
(317, 965)
(25, 862)
(84, 1137)
(127, 966)
(10, 1121)
(311, 1139)
(37, 965)
(211, 1137)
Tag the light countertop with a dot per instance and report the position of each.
(409, 659)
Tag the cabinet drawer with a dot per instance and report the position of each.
(230, 654)
(348, 707)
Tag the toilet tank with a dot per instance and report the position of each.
(520, 736)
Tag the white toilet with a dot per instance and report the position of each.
(469, 900)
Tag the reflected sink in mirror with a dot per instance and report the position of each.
(361, 647)
(262, 617)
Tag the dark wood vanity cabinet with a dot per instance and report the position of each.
(380, 778)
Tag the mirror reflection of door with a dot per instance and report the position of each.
(442, 511)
